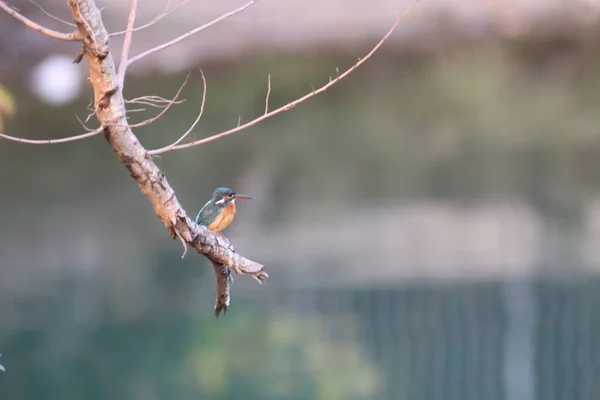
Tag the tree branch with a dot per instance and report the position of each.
(154, 20)
(291, 104)
(54, 17)
(36, 27)
(127, 43)
(197, 118)
(192, 32)
(53, 141)
(111, 112)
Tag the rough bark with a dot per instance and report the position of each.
(111, 113)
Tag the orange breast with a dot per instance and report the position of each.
(224, 219)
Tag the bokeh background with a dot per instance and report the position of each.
(431, 225)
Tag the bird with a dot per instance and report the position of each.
(216, 215)
(220, 210)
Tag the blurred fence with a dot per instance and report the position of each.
(515, 340)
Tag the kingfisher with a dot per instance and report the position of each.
(219, 211)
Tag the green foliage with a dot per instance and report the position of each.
(299, 358)
(166, 351)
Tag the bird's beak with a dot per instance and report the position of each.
(242, 196)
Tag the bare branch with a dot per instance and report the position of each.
(54, 17)
(192, 32)
(53, 141)
(111, 113)
(292, 104)
(195, 122)
(127, 43)
(174, 101)
(268, 94)
(155, 19)
(109, 108)
(36, 27)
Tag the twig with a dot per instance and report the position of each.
(51, 15)
(154, 20)
(133, 110)
(83, 124)
(174, 101)
(292, 104)
(37, 27)
(93, 112)
(268, 94)
(127, 43)
(142, 102)
(53, 141)
(153, 101)
(192, 32)
(164, 149)
(183, 243)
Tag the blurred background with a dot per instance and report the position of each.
(431, 225)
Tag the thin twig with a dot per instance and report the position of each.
(53, 141)
(145, 103)
(192, 32)
(133, 110)
(152, 101)
(292, 104)
(37, 27)
(184, 245)
(268, 94)
(155, 19)
(51, 15)
(93, 112)
(174, 101)
(127, 43)
(166, 148)
(83, 124)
